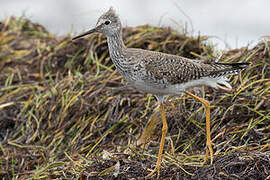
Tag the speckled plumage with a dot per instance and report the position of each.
(159, 73)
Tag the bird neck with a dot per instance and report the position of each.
(116, 45)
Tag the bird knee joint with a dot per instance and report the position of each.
(206, 103)
(164, 128)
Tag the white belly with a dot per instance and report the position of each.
(168, 89)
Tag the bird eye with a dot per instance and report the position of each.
(107, 22)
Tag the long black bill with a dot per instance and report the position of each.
(84, 34)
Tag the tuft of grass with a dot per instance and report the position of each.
(65, 112)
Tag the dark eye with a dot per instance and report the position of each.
(107, 22)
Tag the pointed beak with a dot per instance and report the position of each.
(84, 34)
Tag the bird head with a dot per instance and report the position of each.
(108, 24)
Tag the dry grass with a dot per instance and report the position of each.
(66, 113)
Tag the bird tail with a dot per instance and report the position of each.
(239, 66)
(224, 69)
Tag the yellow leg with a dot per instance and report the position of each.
(162, 142)
(209, 148)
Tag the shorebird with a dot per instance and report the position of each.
(162, 74)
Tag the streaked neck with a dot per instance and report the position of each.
(116, 45)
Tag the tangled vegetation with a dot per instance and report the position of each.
(65, 112)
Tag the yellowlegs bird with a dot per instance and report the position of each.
(162, 74)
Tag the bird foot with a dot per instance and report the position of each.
(209, 149)
(153, 172)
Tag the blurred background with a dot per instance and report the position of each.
(232, 24)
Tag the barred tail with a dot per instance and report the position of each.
(219, 76)
(239, 66)
(228, 69)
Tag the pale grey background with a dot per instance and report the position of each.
(236, 22)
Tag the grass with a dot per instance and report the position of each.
(66, 113)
